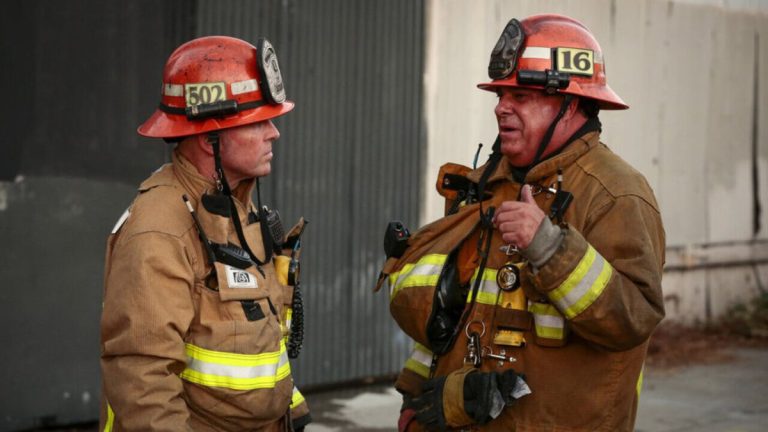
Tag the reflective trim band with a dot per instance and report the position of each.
(285, 326)
(424, 272)
(236, 371)
(584, 285)
(543, 53)
(288, 317)
(488, 292)
(640, 382)
(121, 221)
(420, 361)
(109, 424)
(296, 398)
(246, 86)
(548, 321)
(176, 90)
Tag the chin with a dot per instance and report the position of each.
(263, 172)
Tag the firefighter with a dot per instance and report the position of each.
(196, 319)
(532, 301)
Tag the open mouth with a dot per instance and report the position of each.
(508, 130)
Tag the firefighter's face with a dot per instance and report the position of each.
(246, 151)
(523, 116)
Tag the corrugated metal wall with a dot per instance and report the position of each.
(77, 78)
(350, 159)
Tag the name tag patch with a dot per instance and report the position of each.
(237, 278)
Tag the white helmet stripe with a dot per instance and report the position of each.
(545, 53)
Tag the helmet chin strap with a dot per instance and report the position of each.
(222, 186)
(551, 130)
(495, 157)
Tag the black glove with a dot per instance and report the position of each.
(483, 397)
(512, 386)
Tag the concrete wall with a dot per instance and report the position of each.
(697, 127)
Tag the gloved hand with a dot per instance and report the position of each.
(465, 396)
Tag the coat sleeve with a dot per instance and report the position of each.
(606, 281)
(300, 414)
(147, 311)
(415, 372)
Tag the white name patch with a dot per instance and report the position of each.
(237, 278)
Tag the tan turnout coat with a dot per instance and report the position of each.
(590, 309)
(177, 351)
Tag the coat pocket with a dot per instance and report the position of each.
(239, 284)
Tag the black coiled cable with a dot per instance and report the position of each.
(296, 338)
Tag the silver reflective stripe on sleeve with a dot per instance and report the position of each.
(425, 272)
(584, 285)
(296, 398)
(420, 361)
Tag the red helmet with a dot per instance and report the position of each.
(554, 53)
(217, 82)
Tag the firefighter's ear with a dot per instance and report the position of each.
(203, 145)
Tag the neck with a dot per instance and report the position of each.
(203, 161)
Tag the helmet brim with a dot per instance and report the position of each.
(165, 125)
(605, 97)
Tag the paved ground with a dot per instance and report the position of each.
(728, 396)
(724, 397)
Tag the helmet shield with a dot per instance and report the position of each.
(271, 79)
(505, 53)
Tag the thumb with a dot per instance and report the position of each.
(527, 195)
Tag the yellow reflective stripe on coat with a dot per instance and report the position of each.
(584, 285)
(420, 361)
(488, 292)
(547, 320)
(640, 382)
(296, 398)
(236, 371)
(110, 419)
(425, 272)
(285, 326)
(288, 317)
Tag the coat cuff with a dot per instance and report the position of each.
(544, 244)
(574, 277)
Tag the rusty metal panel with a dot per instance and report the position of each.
(350, 159)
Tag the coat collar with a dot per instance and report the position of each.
(193, 182)
(546, 168)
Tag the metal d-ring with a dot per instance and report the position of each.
(482, 328)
